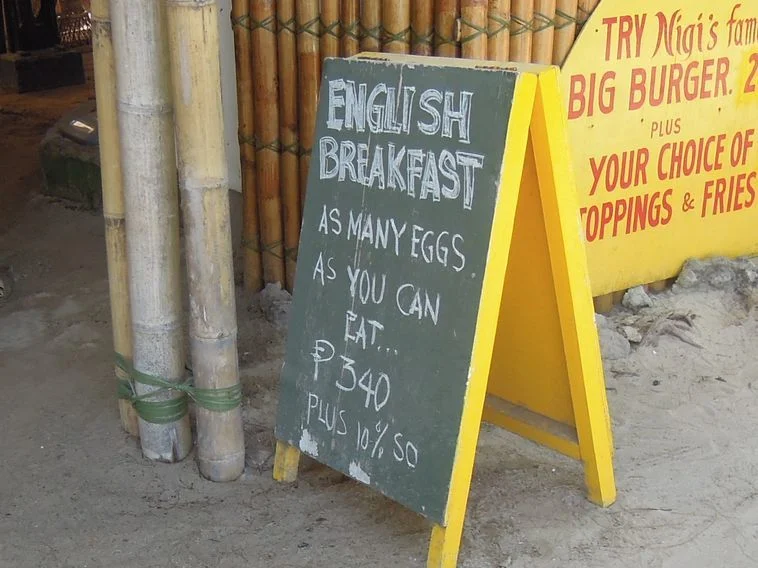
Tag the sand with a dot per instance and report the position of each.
(76, 492)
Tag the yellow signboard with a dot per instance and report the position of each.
(662, 99)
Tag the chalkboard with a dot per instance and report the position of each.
(404, 179)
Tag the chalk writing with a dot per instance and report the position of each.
(403, 185)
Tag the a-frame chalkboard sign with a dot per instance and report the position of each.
(441, 281)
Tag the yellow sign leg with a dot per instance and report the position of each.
(575, 308)
(446, 541)
(444, 546)
(286, 462)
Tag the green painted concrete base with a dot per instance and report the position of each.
(71, 170)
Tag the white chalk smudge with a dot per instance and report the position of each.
(308, 445)
(356, 472)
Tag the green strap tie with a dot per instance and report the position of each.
(403, 36)
(175, 408)
(268, 24)
(312, 27)
(272, 146)
(541, 22)
(502, 24)
(520, 26)
(373, 33)
(352, 29)
(161, 411)
(333, 29)
(288, 25)
(242, 21)
(477, 31)
(567, 18)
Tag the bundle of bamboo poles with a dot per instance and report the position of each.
(157, 76)
(280, 47)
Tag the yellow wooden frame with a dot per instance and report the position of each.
(570, 276)
(445, 541)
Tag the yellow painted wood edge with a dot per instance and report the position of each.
(286, 461)
(573, 291)
(445, 541)
(530, 432)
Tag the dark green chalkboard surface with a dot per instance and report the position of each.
(404, 179)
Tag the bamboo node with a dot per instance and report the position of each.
(568, 19)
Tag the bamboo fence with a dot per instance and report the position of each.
(281, 46)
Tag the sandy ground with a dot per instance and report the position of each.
(76, 492)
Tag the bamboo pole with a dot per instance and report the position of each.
(10, 15)
(446, 29)
(266, 100)
(8, 40)
(396, 21)
(351, 24)
(113, 198)
(331, 28)
(371, 25)
(288, 105)
(565, 29)
(522, 20)
(544, 31)
(422, 27)
(584, 11)
(309, 75)
(251, 256)
(499, 21)
(204, 183)
(474, 29)
(148, 160)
